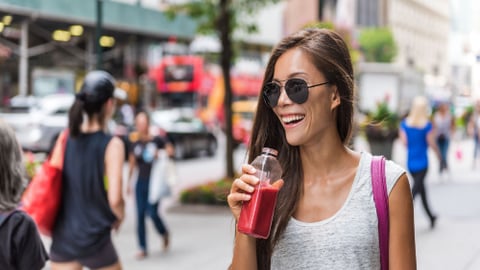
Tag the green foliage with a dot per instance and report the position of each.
(382, 123)
(207, 14)
(213, 193)
(377, 45)
(384, 116)
(320, 24)
(31, 165)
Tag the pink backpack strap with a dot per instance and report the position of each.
(380, 196)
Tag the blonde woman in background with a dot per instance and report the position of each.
(417, 134)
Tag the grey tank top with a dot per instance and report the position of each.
(348, 239)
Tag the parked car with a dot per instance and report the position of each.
(188, 133)
(38, 122)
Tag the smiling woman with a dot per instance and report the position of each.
(325, 212)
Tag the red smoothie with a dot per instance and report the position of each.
(256, 215)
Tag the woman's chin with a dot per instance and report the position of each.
(294, 140)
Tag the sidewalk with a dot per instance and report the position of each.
(455, 241)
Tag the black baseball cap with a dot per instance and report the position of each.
(98, 86)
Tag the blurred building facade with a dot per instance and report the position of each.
(464, 49)
(60, 36)
(420, 28)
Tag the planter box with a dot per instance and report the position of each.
(381, 140)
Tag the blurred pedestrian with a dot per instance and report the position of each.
(444, 127)
(92, 202)
(417, 134)
(474, 131)
(20, 245)
(143, 153)
(325, 214)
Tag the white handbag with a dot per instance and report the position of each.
(162, 178)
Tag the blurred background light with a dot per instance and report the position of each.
(76, 30)
(107, 41)
(7, 19)
(61, 35)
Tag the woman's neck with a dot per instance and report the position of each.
(91, 126)
(327, 157)
(144, 136)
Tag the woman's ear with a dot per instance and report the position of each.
(111, 105)
(335, 98)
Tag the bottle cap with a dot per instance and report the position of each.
(269, 151)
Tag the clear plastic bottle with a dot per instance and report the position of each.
(257, 214)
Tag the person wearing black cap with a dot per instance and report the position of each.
(92, 201)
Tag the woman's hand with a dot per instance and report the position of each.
(243, 187)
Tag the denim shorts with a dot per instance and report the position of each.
(106, 256)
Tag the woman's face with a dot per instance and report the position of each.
(306, 122)
(141, 123)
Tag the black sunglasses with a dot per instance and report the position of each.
(296, 89)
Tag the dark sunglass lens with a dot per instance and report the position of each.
(297, 90)
(271, 93)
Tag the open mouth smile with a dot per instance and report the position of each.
(292, 119)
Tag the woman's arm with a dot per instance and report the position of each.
(402, 232)
(244, 253)
(170, 149)
(433, 144)
(402, 136)
(131, 167)
(114, 156)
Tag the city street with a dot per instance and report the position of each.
(191, 67)
(202, 236)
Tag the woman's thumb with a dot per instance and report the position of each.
(278, 184)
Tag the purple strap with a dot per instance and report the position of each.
(380, 196)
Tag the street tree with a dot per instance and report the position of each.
(223, 18)
(377, 45)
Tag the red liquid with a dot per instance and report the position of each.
(256, 215)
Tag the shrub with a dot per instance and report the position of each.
(212, 193)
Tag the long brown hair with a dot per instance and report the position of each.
(329, 53)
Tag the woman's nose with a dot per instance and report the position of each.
(283, 99)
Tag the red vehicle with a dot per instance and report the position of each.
(176, 74)
(186, 81)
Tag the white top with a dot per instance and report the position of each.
(443, 124)
(348, 239)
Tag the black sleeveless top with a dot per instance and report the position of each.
(85, 219)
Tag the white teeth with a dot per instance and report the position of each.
(292, 118)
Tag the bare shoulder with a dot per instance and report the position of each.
(401, 191)
(115, 145)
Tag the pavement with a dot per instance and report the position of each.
(202, 236)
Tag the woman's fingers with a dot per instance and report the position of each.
(244, 184)
(248, 169)
(234, 198)
(241, 191)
